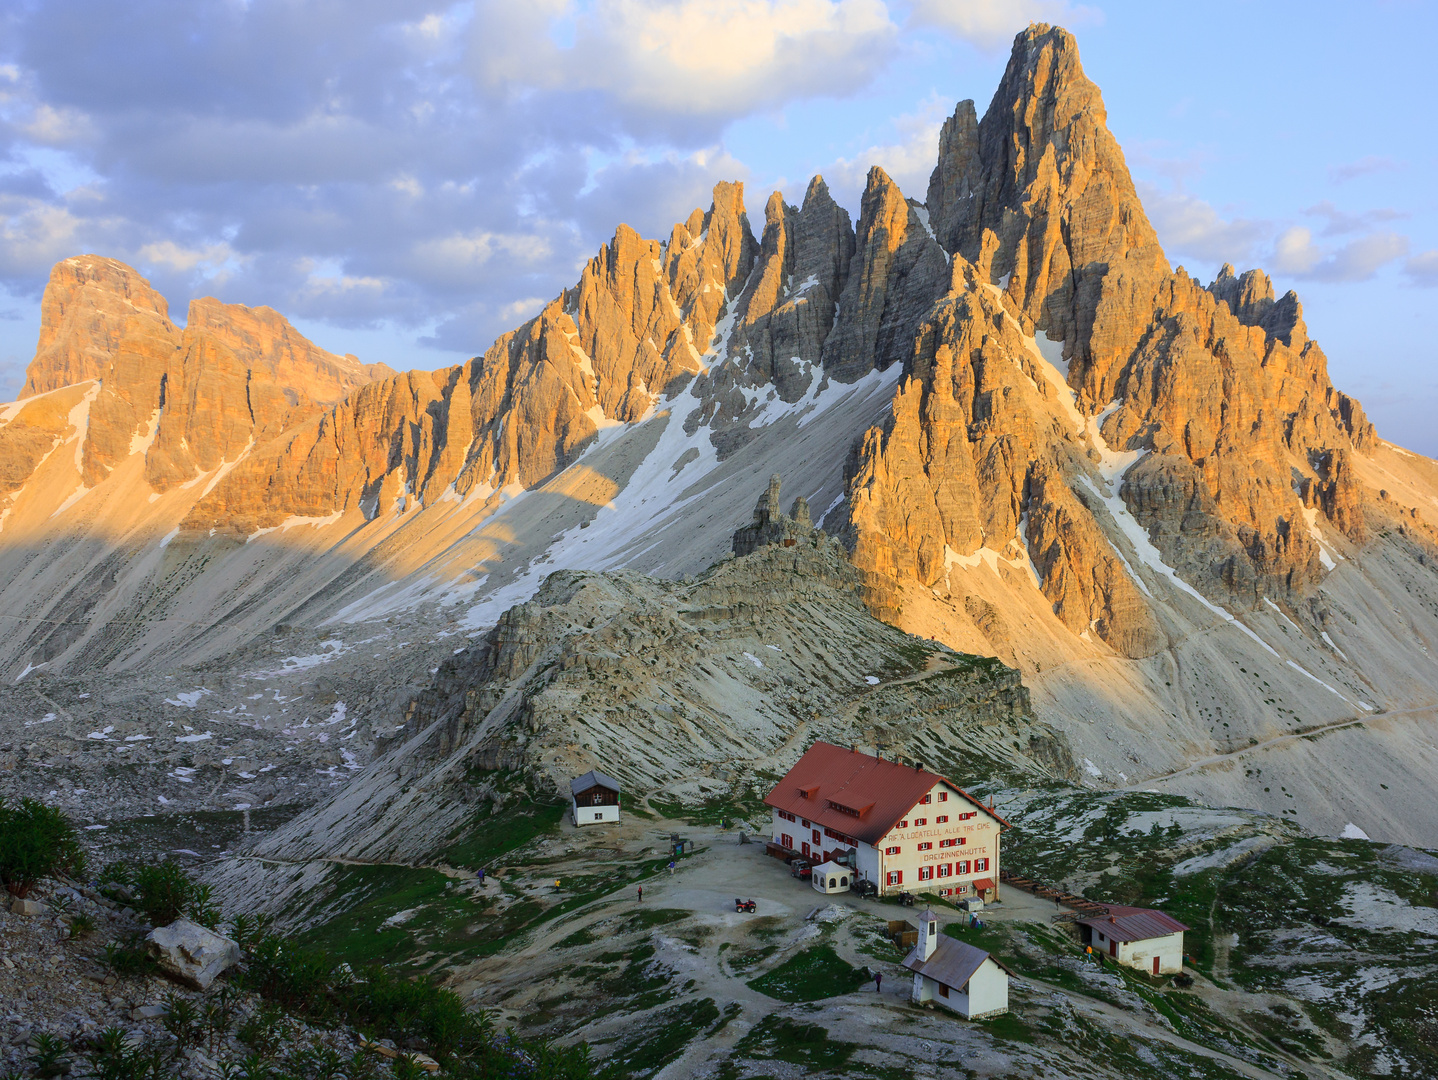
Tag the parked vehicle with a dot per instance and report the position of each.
(865, 888)
(802, 871)
(748, 906)
(906, 899)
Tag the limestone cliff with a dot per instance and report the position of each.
(188, 401)
(1034, 437)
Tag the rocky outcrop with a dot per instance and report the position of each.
(98, 314)
(1216, 421)
(899, 270)
(189, 401)
(191, 953)
(1039, 198)
(782, 318)
(696, 685)
(635, 328)
(1007, 380)
(772, 526)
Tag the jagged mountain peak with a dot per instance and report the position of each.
(1033, 438)
(93, 307)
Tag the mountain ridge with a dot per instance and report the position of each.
(1035, 439)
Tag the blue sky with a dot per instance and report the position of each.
(406, 180)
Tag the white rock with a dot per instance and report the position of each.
(25, 907)
(192, 954)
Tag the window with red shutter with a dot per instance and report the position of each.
(926, 873)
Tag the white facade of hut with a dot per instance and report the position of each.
(1140, 938)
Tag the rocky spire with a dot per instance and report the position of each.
(94, 311)
(898, 272)
(1039, 197)
(772, 526)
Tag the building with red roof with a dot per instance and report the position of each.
(1139, 938)
(900, 826)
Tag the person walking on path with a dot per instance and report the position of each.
(641, 894)
(671, 867)
(481, 875)
(878, 982)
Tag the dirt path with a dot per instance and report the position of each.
(1277, 740)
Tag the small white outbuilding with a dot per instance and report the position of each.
(831, 877)
(594, 798)
(1139, 938)
(960, 977)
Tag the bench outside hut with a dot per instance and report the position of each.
(594, 798)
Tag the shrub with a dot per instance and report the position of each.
(82, 926)
(113, 1059)
(50, 1056)
(184, 1020)
(297, 978)
(36, 841)
(131, 958)
(165, 892)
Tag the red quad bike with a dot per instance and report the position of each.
(748, 906)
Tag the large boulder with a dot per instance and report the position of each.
(192, 954)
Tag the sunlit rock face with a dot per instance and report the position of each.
(1032, 436)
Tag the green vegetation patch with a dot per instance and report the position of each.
(778, 1038)
(811, 975)
(492, 833)
(665, 1036)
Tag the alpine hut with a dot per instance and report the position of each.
(594, 798)
(1138, 938)
(900, 826)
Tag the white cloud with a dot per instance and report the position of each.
(1190, 226)
(1364, 166)
(464, 253)
(1340, 222)
(909, 161)
(213, 261)
(1422, 269)
(685, 58)
(520, 310)
(1296, 253)
(992, 24)
(34, 235)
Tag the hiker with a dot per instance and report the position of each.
(481, 875)
(671, 867)
(641, 894)
(878, 982)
